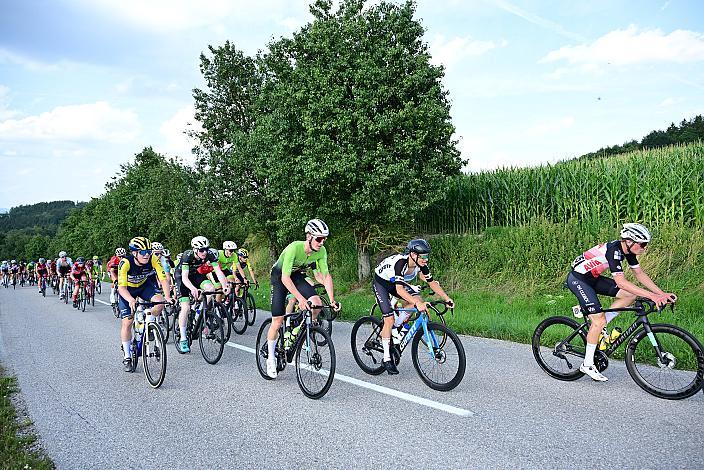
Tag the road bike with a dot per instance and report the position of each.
(311, 349)
(440, 363)
(82, 297)
(205, 323)
(42, 285)
(151, 347)
(664, 360)
(98, 285)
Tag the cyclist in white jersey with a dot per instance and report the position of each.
(391, 278)
(585, 281)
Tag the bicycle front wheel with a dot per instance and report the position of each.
(367, 349)
(212, 337)
(678, 373)
(261, 348)
(239, 316)
(251, 309)
(154, 355)
(163, 322)
(440, 367)
(315, 363)
(559, 347)
(99, 287)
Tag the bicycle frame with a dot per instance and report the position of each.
(641, 320)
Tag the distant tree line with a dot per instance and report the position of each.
(688, 131)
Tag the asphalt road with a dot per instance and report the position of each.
(507, 412)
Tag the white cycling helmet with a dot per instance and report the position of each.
(178, 257)
(14, 261)
(317, 228)
(199, 243)
(228, 245)
(120, 252)
(62, 254)
(636, 232)
(156, 246)
(166, 253)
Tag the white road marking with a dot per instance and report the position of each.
(104, 303)
(385, 390)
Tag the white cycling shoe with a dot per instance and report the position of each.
(271, 368)
(593, 372)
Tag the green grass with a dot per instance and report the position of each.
(17, 445)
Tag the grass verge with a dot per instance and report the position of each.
(18, 449)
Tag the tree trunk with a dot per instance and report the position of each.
(363, 269)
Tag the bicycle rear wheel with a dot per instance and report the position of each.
(83, 299)
(154, 355)
(251, 307)
(678, 374)
(367, 350)
(99, 287)
(440, 367)
(554, 353)
(261, 348)
(315, 363)
(224, 314)
(212, 337)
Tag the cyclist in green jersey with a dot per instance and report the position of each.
(227, 259)
(289, 275)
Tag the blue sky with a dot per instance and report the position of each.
(86, 84)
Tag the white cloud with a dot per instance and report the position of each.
(9, 57)
(632, 46)
(5, 111)
(164, 16)
(84, 122)
(176, 142)
(536, 19)
(449, 52)
(670, 101)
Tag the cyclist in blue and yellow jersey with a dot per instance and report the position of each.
(63, 267)
(242, 263)
(289, 275)
(195, 265)
(137, 276)
(585, 281)
(391, 278)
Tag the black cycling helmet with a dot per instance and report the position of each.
(419, 246)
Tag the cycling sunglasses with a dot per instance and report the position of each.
(424, 257)
(202, 250)
(320, 239)
(643, 244)
(145, 252)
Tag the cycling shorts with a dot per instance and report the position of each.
(145, 292)
(279, 290)
(587, 287)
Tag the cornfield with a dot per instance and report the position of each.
(657, 186)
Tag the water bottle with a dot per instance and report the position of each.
(604, 339)
(401, 318)
(139, 321)
(615, 333)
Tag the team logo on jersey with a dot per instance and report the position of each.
(617, 255)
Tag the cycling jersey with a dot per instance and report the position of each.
(227, 262)
(78, 270)
(131, 274)
(294, 258)
(602, 257)
(41, 267)
(190, 261)
(63, 266)
(114, 263)
(394, 270)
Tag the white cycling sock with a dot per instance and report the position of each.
(589, 355)
(126, 348)
(272, 348)
(386, 342)
(183, 333)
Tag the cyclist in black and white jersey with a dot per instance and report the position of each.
(391, 278)
(585, 281)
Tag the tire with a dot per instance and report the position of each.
(366, 345)
(212, 336)
(83, 299)
(261, 349)
(315, 364)
(562, 363)
(99, 287)
(163, 322)
(251, 309)
(239, 317)
(133, 356)
(681, 377)
(154, 356)
(226, 318)
(438, 360)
